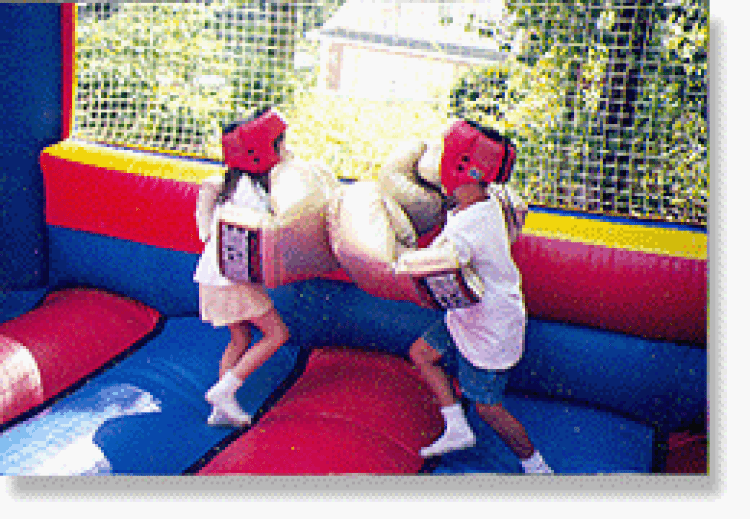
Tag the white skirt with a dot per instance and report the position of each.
(239, 302)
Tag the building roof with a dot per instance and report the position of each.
(421, 27)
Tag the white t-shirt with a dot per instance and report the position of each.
(490, 334)
(248, 194)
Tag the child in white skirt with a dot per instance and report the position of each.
(251, 149)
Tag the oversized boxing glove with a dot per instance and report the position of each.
(443, 274)
(369, 231)
(409, 176)
(412, 176)
(289, 244)
(440, 271)
(300, 247)
(376, 244)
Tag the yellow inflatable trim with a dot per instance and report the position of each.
(684, 243)
(135, 162)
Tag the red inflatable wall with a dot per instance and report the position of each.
(651, 294)
(639, 293)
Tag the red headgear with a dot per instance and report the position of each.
(469, 156)
(250, 146)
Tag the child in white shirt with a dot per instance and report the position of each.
(479, 343)
(251, 149)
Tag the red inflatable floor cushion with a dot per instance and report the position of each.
(75, 331)
(350, 412)
(378, 391)
(20, 381)
(312, 445)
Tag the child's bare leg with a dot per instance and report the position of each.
(514, 435)
(424, 357)
(240, 336)
(457, 433)
(244, 361)
(275, 333)
(510, 430)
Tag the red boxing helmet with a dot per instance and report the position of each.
(250, 145)
(470, 156)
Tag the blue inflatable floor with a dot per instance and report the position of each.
(573, 440)
(147, 415)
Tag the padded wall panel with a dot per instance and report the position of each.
(650, 295)
(160, 278)
(660, 383)
(655, 287)
(30, 101)
(153, 211)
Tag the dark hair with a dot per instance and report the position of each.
(487, 131)
(493, 134)
(229, 128)
(232, 175)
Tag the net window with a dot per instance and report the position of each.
(606, 99)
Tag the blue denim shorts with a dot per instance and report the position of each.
(480, 385)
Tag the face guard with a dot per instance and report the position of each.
(469, 157)
(250, 146)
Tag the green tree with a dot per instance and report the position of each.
(139, 73)
(593, 91)
(169, 75)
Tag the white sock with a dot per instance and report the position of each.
(536, 465)
(454, 417)
(226, 408)
(228, 384)
(457, 434)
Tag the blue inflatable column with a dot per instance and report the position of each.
(31, 104)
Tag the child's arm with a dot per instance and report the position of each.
(205, 205)
(444, 268)
(441, 256)
(514, 209)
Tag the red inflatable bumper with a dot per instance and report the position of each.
(371, 408)
(71, 334)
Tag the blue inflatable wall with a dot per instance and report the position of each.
(30, 101)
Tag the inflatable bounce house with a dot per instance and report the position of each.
(104, 360)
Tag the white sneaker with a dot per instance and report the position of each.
(541, 470)
(451, 440)
(227, 412)
(219, 418)
(536, 465)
